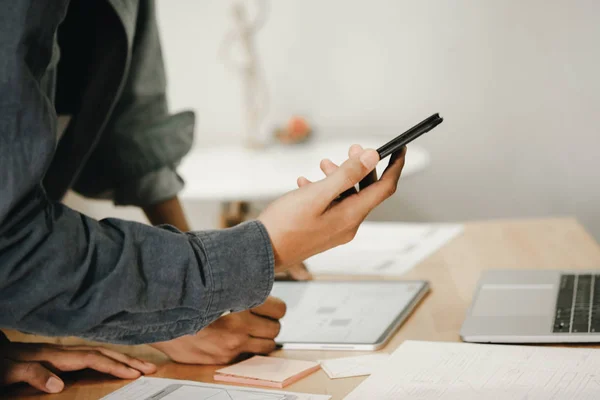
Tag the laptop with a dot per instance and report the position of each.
(534, 306)
(344, 315)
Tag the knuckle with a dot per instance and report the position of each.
(279, 308)
(352, 234)
(276, 329)
(28, 368)
(234, 342)
(390, 188)
(268, 347)
(282, 309)
(347, 237)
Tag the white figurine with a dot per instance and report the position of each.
(255, 96)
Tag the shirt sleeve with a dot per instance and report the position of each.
(152, 188)
(63, 273)
(135, 158)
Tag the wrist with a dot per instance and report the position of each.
(277, 262)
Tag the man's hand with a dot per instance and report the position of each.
(38, 364)
(252, 331)
(309, 220)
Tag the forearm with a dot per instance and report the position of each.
(168, 212)
(65, 274)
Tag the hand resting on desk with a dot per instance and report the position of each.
(251, 331)
(38, 364)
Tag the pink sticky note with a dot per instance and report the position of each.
(266, 371)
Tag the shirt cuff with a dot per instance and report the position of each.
(152, 188)
(240, 265)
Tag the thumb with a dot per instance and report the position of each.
(32, 373)
(351, 172)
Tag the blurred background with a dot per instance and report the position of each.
(516, 81)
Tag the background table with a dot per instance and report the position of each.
(235, 176)
(453, 273)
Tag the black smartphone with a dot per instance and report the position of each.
(395, 145)
(405, 138)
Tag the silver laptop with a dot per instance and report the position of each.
(534, 306)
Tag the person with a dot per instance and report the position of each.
(65, 274)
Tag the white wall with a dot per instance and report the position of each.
(516, 81)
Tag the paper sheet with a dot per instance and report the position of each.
(384, 248)
(353, 366)
(173, 389)
(463, 371)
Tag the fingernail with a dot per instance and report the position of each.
(369, 158)
(54, 385)
(355, 149)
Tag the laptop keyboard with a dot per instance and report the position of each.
(578, 304)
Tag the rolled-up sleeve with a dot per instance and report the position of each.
(135, 161)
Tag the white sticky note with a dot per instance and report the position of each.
(353, 366)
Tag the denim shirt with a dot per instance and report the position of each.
(63, 273)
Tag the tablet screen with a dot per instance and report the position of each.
(349, 312)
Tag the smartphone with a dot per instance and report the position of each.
(395, 145)
(405, 138)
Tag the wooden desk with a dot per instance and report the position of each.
(453, 272)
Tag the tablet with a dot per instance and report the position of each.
(348, 315)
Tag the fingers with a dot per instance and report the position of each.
(356, 149)
(302, 181)
(328, 167)
(376, 193)
(71, 358)
(273, 308)
(347, 175)
(32, 373)
(142, 366)
(299, 273)
(74, 360)
(260, 346)
(261, 327)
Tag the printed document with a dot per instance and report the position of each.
(173, 389)
(465, 371)
(384, 248)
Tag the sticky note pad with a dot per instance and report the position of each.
(266, 371)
